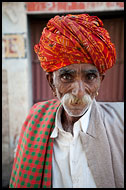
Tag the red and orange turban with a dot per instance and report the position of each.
(74, 39)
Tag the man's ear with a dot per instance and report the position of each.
(102, 76)
(49, 77)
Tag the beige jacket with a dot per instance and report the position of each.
(103, 144)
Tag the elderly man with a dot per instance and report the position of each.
(72, 141)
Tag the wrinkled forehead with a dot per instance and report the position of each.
(78, 68)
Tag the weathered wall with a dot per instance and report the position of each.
(16, 80)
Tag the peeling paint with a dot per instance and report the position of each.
(73, 6)
(13, 46)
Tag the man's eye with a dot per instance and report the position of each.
(66, 77)
(91, 76)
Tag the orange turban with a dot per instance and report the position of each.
(74, 39)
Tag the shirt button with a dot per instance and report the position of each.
(74, 162)
(73, 144)
(75, 180)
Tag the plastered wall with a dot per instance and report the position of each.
(16, 80)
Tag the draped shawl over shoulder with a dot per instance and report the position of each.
(103, 144)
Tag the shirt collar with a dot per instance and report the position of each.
(84, 121)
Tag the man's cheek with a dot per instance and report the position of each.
(61, 90)
(58, 93)
(94, 89)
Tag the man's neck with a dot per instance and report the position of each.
(68, 121)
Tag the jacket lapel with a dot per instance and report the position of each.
(97, 149)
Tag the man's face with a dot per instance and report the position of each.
(76, 86)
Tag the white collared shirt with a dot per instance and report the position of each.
(69, 163)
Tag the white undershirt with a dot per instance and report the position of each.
(69, 163)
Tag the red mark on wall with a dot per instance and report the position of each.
(72, 6)
(120, 4)
(13, 46)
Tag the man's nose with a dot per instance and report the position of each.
(78, 89)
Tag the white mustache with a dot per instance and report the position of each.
(71, 99)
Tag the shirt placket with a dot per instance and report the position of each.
(73, 161)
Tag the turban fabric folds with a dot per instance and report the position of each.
(74, 39)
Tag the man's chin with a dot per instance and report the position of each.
(75, 112)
